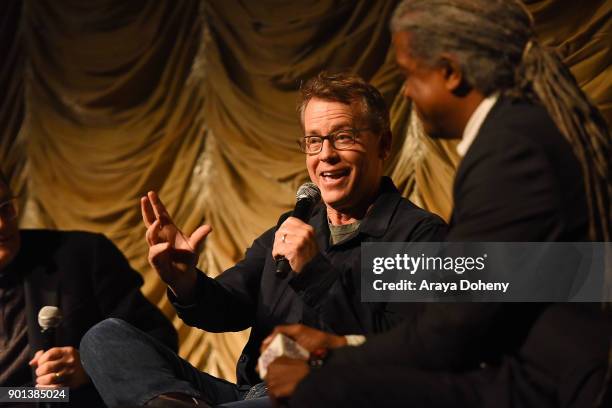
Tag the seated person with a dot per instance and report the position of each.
(87, 278)
(535, 166)
(347, 138)
(561, 362)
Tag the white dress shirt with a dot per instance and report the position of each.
(475, 122)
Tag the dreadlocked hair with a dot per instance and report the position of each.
(495, 45)
(543, 73)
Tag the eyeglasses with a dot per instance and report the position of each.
(8, 209)
(342, 139)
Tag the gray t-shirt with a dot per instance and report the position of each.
(341, 233)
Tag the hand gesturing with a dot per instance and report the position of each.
(172, 254)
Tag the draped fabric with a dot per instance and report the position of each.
(12, 154)
(106, 99)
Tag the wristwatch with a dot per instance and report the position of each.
(317, 358)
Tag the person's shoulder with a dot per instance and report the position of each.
(56, 239)
(411, 213)
(405, 210)
(69, 251)
(412, 223)
(408, 207)
(515, 129)
(522, 108)
(519, 121)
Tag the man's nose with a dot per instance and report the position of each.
(327, 151)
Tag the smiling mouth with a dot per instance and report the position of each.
(331, 176)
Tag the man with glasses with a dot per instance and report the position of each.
(535, 167)
(87, 278)
(346, 140)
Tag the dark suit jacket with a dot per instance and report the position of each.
(519, 181)
(561, 363)
(326, 294)
(90, 280)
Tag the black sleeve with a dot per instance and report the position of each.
(228, 303)
(441, 337)
(117, 290)
(431, 229)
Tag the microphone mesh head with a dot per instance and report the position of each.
(309, 191)
(49, 317)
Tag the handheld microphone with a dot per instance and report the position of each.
(307, 196)
(49, 318)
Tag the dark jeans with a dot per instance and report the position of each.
(129, 367)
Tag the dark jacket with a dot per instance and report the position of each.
(561, 363)
(519, 181)
(325, 295)
(90, 280)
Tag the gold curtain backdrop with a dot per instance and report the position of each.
(107, 99)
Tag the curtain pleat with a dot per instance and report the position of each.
(107, 99)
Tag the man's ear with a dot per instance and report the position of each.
(453, 76)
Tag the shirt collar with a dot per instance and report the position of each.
(475, 122)
(376, 221)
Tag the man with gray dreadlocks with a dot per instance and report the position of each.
(535, 168)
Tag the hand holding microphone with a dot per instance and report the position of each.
(56, 366)
(294, 241)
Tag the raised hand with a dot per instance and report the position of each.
(172, 254)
